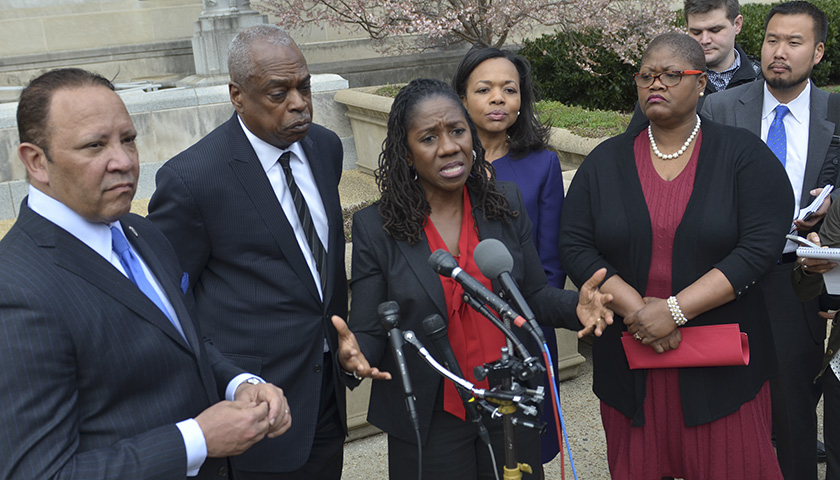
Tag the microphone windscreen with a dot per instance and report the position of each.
(434, 326)
(442, 262)
(389, 314)
(492, 258)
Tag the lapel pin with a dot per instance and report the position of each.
(133, 231)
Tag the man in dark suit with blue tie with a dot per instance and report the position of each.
(790, 114)
(253, 212)
(105, 376)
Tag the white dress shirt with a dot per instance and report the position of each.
(797, 123)
(97, 236)
(301, 169)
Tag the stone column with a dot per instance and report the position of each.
(220, 21)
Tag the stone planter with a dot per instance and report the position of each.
(368, 115)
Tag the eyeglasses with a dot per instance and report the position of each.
(668, 79)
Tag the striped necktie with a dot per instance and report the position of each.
(315, 245)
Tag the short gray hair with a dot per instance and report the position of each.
(240, 63)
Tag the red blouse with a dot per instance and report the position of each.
(474, 339)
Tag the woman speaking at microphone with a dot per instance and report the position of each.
(438, 192)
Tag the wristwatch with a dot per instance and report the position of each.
(253, 381)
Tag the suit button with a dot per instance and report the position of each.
(223, 472)
(317, 369)
(830, 351)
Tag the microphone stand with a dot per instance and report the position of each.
(499, 375)
(530, 365)
(506, 394)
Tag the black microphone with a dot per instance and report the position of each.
(389, 316)
(494, 261)
(435, 329)
(444, 264)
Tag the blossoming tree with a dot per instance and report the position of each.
(415, 25)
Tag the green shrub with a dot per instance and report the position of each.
(752, 37)
(580, 121)
(557, 60)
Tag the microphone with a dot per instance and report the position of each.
(444, 264)
(435, 329)
(389, 316)
(494, 261)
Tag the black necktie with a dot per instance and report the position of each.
(305, 218)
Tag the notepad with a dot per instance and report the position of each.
(832, 277)
(806, 212)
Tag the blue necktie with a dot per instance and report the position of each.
(776, 138)
(135, 273)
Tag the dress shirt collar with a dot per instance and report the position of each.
(800, 107)
(97, 236)
(721, 80)
(269, 154)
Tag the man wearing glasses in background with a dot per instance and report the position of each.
(790, 115)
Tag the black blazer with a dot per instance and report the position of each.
(94, 375)
(385, 269)
(255, 296)
(738, 213)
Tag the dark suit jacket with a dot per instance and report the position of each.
(255, 296)
(385, 269)
(808, 287)
(94, 376)
(742, 107)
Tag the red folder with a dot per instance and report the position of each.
(704, 346)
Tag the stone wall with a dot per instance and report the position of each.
(168, 121)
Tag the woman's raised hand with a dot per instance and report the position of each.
(592, 310)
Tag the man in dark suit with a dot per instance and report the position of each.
(790, 114)
(104, 374)
(253, 212)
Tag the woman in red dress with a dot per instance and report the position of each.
(686, 215)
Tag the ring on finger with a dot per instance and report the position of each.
(637, 336)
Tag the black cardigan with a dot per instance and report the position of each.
(387, 269)
(738, 213)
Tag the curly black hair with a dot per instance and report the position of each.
(403, 205)
(527, 134)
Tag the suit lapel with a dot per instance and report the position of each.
(170, 287)
(76, 257)
(748, 114)
(255, 184)
(166, 283)
(819, 138)
(417, 256)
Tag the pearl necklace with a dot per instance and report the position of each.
(681, 150)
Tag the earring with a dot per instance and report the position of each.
(517, 113)
(414, 171)
(702, 93)
(474, 155)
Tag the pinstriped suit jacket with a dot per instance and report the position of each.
(255, 296)
(94, 376)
